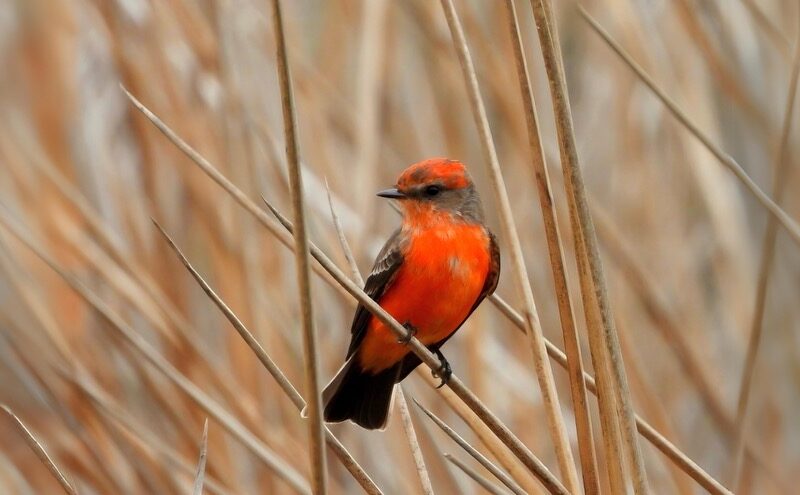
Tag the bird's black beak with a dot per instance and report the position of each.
(392, 193)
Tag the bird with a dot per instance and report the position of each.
(431, 274)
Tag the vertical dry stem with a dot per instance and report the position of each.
(544, 373)
(37, 449)
(200, 475)
(589, 262)
(301, 252)
(571, 343)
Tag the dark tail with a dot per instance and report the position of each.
(360, 396)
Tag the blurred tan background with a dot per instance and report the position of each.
(378, 87)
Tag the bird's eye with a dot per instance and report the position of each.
(431, 191)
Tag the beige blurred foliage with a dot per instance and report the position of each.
(378, 87)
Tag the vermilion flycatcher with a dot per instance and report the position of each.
(430, 276)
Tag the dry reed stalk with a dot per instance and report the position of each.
(201, 463)
(472, 451)
(544, 373)
(316, 426)
(497, 427)
(604, 342)
(142, 347)
(347, 460)
(478, 478)
(37, 449)
(580, 406)
(779, 180)
(413, 443)
(787, 222)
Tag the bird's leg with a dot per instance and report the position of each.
(411, 331)
(444, 372)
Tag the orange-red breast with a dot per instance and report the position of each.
(430, 276)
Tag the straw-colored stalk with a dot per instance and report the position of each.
(37, 449)
(580, 406)
(603, 338)
(316, 426)
(544, 372)
(200, 475)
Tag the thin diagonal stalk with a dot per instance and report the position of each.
(199, 477)
(316, 426)
(37, 449)
(544, 373)
(402, 404)
(583, 422)
(590, 267)
(486, 463)
(347, 460)
(413, 443)
(764, 272)
(348, 253)
(477, 477)
(232, 425)
(787, 222)
(430, 360)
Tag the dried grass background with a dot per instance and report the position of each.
(378, 86)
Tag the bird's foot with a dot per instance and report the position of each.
(411, 331)
(444, 371)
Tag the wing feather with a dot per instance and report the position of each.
(383, 272)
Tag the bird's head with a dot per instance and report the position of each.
(434, 187)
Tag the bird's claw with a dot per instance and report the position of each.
(444, 371)
(411, 331)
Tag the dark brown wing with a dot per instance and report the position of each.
(411, 360)
(383, 271)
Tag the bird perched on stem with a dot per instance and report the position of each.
(430, 276)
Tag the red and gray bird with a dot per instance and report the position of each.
(430, 276)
